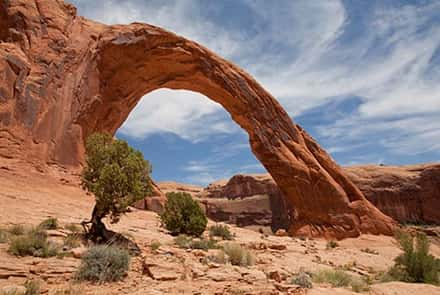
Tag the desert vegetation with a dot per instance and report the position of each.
(117, 175)
(183, 215)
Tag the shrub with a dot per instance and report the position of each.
(32, 287)
(237, 255)
(155, 245)
(70, 290)
(302, 279)
(16, 229)
(50, 223)
(33, 243)
(103, 264)
(331, 244)
(185, 242)
(339, 278)
(221, 231)
(415, 264)
(183, 215)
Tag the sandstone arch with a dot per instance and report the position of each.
(65, 76)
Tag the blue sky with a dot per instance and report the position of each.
(363, 77)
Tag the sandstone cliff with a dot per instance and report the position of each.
(64, 77)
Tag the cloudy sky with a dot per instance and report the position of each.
(363, 77)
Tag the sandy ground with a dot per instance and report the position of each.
(27, 198)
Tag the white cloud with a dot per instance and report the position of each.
(187, 114)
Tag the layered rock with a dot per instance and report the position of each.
(409, 194)
(65, 77)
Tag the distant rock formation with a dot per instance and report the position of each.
(409, 194)
(64, 77)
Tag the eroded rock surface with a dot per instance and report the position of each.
(65, 77)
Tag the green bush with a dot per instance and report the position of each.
(237, 255)
(185, 242)
(103, 264)
(221, 231)
(183, 215)
(155, 245)
(33, 243)
(339, 278)
(302, 279)
(331, 244)
(415, 264)
(50, 223)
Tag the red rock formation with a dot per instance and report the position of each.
(65, 77)
(406, 193)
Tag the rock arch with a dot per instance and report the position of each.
(66, 77)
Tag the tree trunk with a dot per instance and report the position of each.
(98, 233)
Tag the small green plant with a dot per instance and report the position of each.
(70, 290)
(370, 251)
(33, 243)
(32, 287)
(183, 215)
(155, 245)
(336, 278)
(331, 244)
(103, 264)
(237, 255)
(415, 264)
(49, 223)
(16, 229)
(302, 279)
(185, 242)
(221, 231)
(339, 278)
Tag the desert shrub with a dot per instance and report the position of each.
(185, 242)
(49, 223)
(103, 264)
(70, 290)
(183, 215)
(16, 229)
(331, 244)
(33, 243)
(32, 287)
(155, 245)
(4, 236)
(237, 255)
(415, 264)
(339, 278)
(336, 278)
(203, 244)
(302, 279)
(221, 231)
(370, 251)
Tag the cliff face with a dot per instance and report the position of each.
(406, 193)
(65, 77)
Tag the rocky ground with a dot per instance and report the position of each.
(29, 198)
